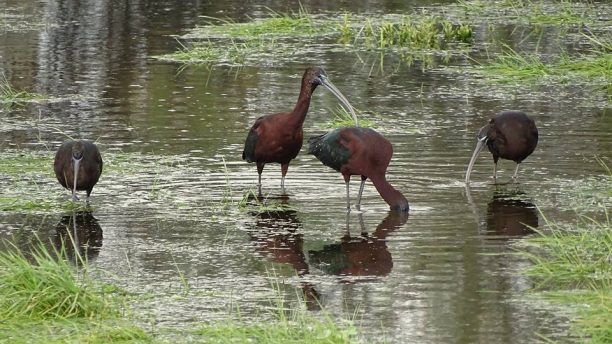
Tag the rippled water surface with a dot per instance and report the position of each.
(169, 215)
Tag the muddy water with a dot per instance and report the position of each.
(173, 234)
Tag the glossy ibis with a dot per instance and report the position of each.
(510, 135)
(363, 152)
(278, 138)
(78, 165)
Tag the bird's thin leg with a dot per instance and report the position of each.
(362, 225)
(260, 168)
(515, 176)
(284, 168)
(495, 172)
(363, 179)
(347, 179)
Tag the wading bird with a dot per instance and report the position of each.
(510, 135)
(363, 152)
(78, 165)
(278, 137)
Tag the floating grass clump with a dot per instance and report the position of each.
(276, 25)
(415, 32)
(216, 52)
(593, 69)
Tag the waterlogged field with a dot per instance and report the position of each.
(173, 245)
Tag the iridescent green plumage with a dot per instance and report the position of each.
(328, 149)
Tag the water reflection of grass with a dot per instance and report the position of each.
(44, 299)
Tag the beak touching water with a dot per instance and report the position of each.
(479, 146)
(325, 82)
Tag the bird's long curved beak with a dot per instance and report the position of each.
(336, 92)
(75, 164)
(479, 146)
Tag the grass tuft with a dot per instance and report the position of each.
(44, 286)
(342, 118)
(10, 95)
(572, 266)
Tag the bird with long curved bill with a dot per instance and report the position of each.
(78, 166)
(278, 138)
(510, 135)
(363, 152)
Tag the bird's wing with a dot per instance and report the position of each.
(329, 150)
(248, 153)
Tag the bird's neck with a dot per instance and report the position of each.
(303, 103)
(394, 198)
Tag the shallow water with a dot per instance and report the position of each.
(438, 275)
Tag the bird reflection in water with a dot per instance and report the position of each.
(277, 238)
(363, 255)
(510, 216)
(79, 235)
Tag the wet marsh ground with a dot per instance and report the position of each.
(169, 222)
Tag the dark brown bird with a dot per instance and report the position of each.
(510, 135)
(362, 152)
(278, 137)
(78, 166)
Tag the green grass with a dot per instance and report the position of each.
(209, 52)
(575, 256)
(533, 12)
(571, 265)
(276, 25)
(43, 299)
(274, 37)
(44, 286)
(414, 32)
(342, 118)
(10, 95)
(593, 70)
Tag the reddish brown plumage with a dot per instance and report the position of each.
(363, 152)
(278, 138)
